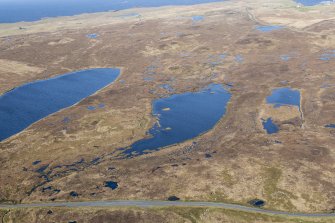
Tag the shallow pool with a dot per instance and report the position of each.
(111, 184)
(284, 96)
(269, 126)
(268, 28)
(330, 126)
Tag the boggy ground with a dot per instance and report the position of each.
(292, 170)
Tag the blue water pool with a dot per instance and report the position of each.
(111, 184)
(330, 126)
(269, 126)
(268, 28)
(197, 18)
(328, 55)
(31, 102)
(239, 58)
(284, 96)
(285, 57)
(182, 117)
(92, 35)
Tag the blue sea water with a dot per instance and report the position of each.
(31, 102)
(32, 10)
(310, 2)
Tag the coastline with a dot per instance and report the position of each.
(98, 19)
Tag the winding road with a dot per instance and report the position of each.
(148, 204)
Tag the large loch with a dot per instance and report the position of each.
(181, 117)
(31, 102)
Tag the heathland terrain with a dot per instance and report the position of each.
(186, 48)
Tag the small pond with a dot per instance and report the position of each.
(269, 126)
(283, 97)
(92, 36)
(328, 55)
(197, 18)
(239, 58)
(268, 28)
(173, 198)
(330, 126)
(285, 57)
(257, 203)
(111, 184)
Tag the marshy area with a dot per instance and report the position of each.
(202, 81)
